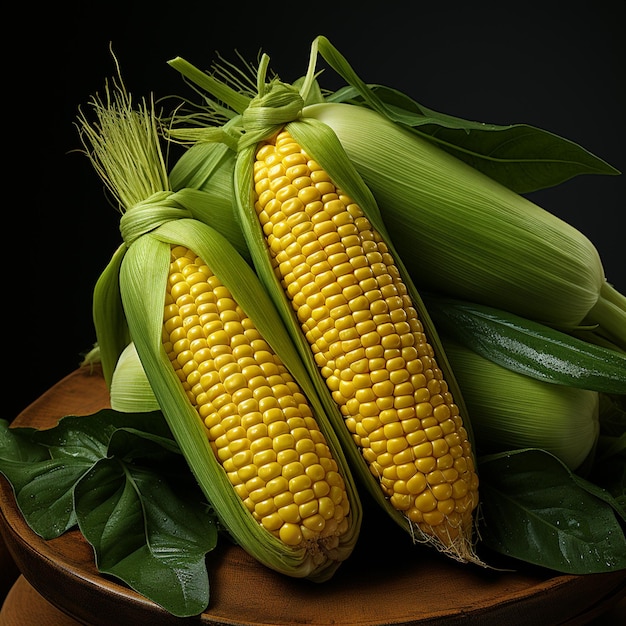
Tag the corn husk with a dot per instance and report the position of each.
(460, 232)
(511, 411)
(129, 304)
(130, 390)
(463, 234)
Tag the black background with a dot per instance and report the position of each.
(556, 65)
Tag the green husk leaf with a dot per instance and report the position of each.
(608, 317)
(468, 226)
(130, 390)
(203, 180)
(216, 211)
(519, 156)
(236, 100)
(510, 410)
(108, 316)
(202, 163)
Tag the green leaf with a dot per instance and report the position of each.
(521, 157)
(43, 492)
(600, 493)
(131, 444)
(536, 511)
(529, 347)
(15, 446)
(152, 535)
(42, 484)
(122, 479)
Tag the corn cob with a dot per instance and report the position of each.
(367, 340)
(225, 374)
(319, 246)
(259, 423)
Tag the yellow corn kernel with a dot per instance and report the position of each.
(257, 419)
(367, 339)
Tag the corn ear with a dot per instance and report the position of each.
(276, 110)
(154, 219)
(513, 411)
(142, 279)
(463, 234)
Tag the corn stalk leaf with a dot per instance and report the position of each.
(521, 157)
(528, 347)
(152, 535)
(121, 479)
(537, 511)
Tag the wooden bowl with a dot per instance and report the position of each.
(387, 580)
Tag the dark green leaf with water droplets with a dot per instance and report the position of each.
(537, 511)
(151, 534)
(121, 478)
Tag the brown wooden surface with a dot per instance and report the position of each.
(385, 581)
(25, 607)
(8, 570)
